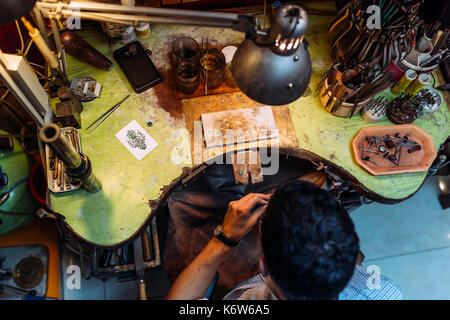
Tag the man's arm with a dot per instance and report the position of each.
(240, 218)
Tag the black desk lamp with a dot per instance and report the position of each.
(275, 68)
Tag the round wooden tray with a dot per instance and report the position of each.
(409, 162)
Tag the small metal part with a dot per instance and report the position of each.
(393, 159)
(363, 154)
(63, 179)
(399, 154)
(76, 137)
(52, 164)
(370, 160)
(68, 182)
(382, 149)
(56, 168)
(367, 150)
(60, 173)
(376, 141)
(389, 144)
(414, 149)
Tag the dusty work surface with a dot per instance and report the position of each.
(115, 214)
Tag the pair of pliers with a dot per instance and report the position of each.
(369, 42)
(341, 34)
(338, 20)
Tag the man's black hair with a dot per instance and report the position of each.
(309, 242)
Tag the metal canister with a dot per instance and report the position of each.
(422, 81)
(404, 82)
(142, 30)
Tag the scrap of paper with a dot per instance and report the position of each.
(136, 140)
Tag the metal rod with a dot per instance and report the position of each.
(104, 7)
(130, 19)
(103, 117)
(62, 70)
(40, 23)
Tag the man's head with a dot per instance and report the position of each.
(309, 242)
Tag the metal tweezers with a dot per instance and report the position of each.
(103, 117)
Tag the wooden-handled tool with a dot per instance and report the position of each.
(139, 268)
(146, 245)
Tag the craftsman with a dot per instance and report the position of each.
(311, 251)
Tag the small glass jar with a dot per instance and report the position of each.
(212, 65)
(185, 49)
(187, 78)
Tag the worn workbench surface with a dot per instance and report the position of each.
(117, 213)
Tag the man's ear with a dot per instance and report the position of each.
(263, 266)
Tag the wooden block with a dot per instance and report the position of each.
(247, 164)
(238, 126)
(240, 174)
(66, 113)
(255, 169)
(195, 107)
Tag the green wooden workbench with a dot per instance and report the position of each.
(116, 214)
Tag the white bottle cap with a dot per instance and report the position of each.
(228, 52)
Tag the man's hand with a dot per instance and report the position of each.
(243, 214)
(240, 218)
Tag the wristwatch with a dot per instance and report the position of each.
(218, 233)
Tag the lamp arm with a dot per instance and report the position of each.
(129, 14)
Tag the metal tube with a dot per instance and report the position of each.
(56, 36)
(51, 135)
(130, 19)
(40, 23)
(104, 7)
(60, 144)
(61, 58)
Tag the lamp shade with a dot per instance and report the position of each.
(275, 69)
(11, 10)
